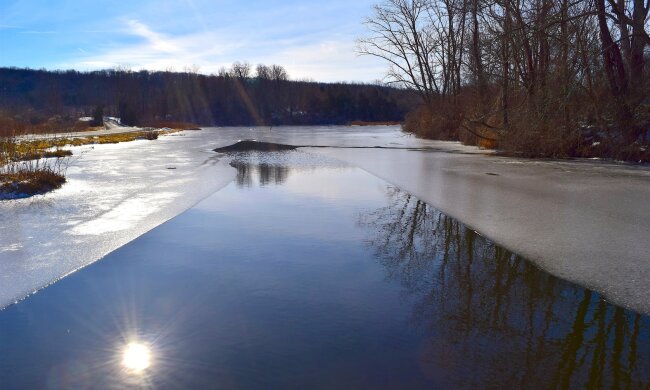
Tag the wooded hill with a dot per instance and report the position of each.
(233, 97)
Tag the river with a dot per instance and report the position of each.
(300, 269)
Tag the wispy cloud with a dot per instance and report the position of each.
(156, 41)
(155, 50)
(323, 59)
(329, 60)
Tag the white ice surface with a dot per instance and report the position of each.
(588, 222)
(114, 194)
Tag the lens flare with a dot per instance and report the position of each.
(137, 357)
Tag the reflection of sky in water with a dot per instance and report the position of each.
(283, 284)
(136, 357)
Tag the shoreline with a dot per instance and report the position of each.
(23, 176)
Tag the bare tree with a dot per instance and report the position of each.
(278, 73)
(263, 72)
(526, 73)
(241, 70)
(402, 34)
(624, 58)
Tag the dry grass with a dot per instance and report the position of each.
(38, 154)
(25, 183)
(441, 123)
(151, 135)
(21, 150)
(12, 150)
(124, 137)
(26, 172)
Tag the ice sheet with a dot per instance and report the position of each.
(114, 194)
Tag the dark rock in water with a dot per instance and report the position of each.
(252, 145)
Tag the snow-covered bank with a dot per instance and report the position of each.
(114, 194)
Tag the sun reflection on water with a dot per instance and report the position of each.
(136, 357)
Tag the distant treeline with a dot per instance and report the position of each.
(237, 96)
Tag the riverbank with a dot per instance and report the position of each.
(32, 164)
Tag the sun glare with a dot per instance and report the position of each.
(137, 357)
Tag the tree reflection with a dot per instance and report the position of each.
(249, 174)
(493, 319)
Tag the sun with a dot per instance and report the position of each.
(136, 357)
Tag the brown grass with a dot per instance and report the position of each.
(439, 123)
(26, 183)
(12, 150)
(151, 135)
(35, 155)
(22, 150)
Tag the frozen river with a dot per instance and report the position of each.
(305, 272)
(587, 222)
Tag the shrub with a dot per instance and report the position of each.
(150, 135)
(27, 169)
(26, 182)
(439, 122)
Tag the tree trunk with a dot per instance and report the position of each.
(616, 75)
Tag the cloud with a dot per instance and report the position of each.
(156, 41)
(154, 50)
(329, 60)
(321, 58)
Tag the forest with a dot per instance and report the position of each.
(536, 78)
(242, 95)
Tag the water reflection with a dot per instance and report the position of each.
(494, 320)
(250, 174)
(136, 357)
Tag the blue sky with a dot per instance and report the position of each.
(312, 39)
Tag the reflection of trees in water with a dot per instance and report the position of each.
(264, 174)
(492, 318)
